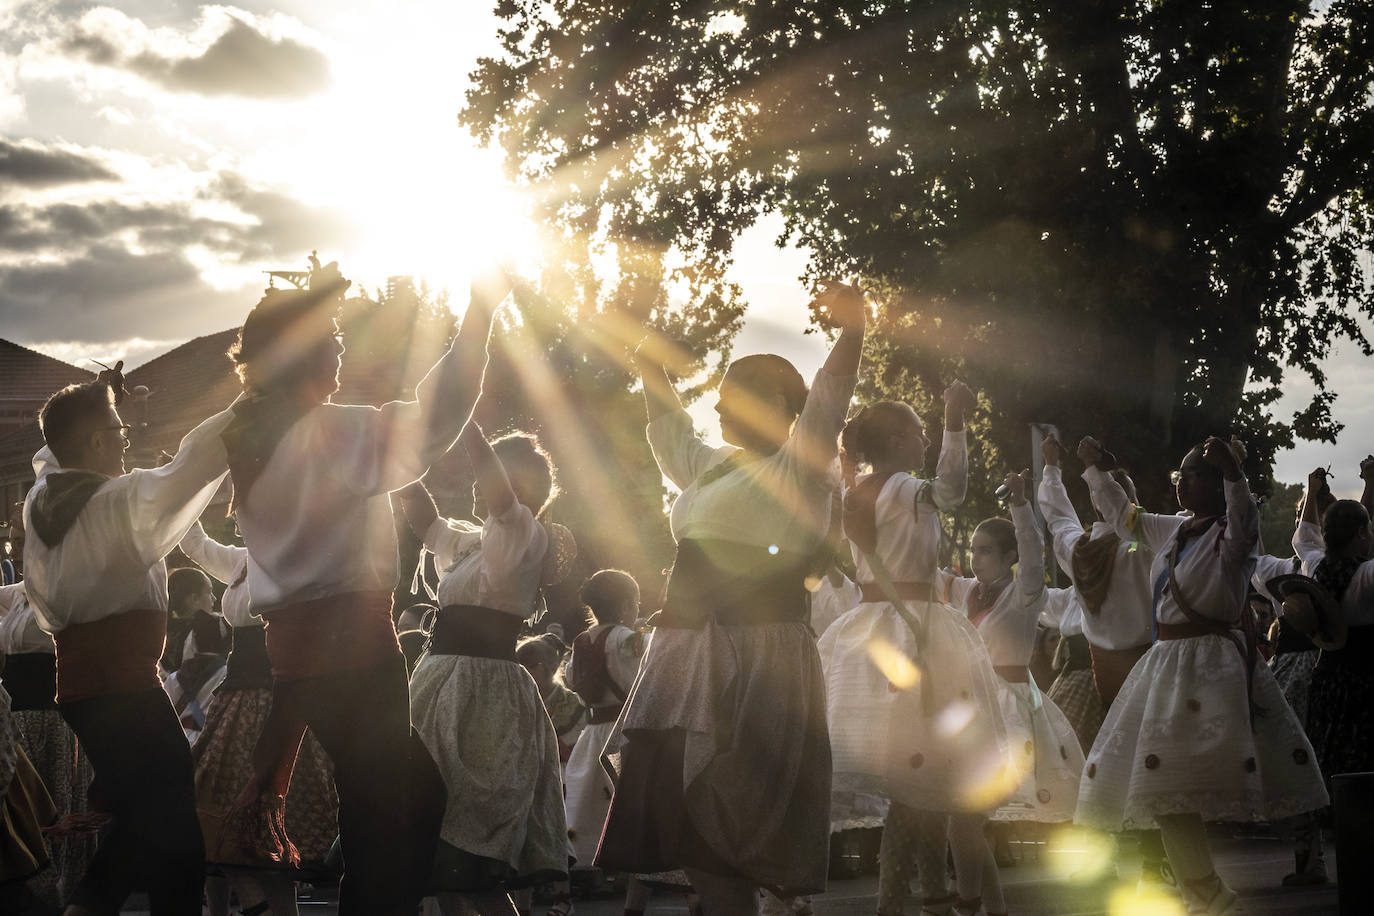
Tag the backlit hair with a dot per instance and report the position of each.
(69, 415)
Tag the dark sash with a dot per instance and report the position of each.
(252, 436)
(249, 668)
(31, 680)
(736, 584)
(475, 631)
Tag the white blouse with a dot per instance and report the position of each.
(496, 566)
(1214, 572)
(112, 559)
(782, 500)
(1126, 619)
(1358, 601)
(228, 564)
(19, 631)
(1009, 628)
(909, 533)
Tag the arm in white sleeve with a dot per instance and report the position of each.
(1058, 602)
(1242, 526)
(815, 438)
(954, 590)
(1129, 521)
(1030, 552)
(221, 561)
(681, 456)
(1060, 516)
(1310, 545)
(162, 504)
(951, 470)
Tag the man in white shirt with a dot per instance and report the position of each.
(311, 484)
(97, 581)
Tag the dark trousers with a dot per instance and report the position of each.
(391, 796)
(146, 780)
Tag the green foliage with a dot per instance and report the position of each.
(1126, 218)
(1278, 515)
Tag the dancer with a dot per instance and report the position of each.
(724, 758)
(1199, 731)
(605, 660)
(1004, 599)
(902, 665)
(248, 845)
(95, 578)
(477, 710)
(311, 480)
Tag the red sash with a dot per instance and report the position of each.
(347, 632)
(117, 654)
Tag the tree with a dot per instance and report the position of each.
(1127, 218)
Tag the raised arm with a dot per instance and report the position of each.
(1316, 486)
(490, 472)
(218, 560)
(1367, 475)
(1030, 547)
(1242, 512)
(951, 470)
(845, 305)
(659, 395)
(418, 507)
(1116, 507)
(1060, 516)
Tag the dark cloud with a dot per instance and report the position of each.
(35, 166)
(110, 293)
(242, 61)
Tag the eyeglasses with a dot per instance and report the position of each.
(123, 430)
(1176, 477)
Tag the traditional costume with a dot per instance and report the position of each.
(620, 649)
(1073, 689)
(224, 752)
(96, 580)
(1198, 727)
(480, 714)
(1044, 750)
(724, 756)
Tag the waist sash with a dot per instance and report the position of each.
(347, 632)
(475, 631)
(874, 593)
(31, 680)
(598, 714)
(1111, 667)
(1192, 629)
(248, 668)
(117, 654)
(1079, 650)
(735, 584)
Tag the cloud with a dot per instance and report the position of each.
(242, 60)
(35, 166)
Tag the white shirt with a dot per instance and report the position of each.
(1126, 618)
(1310, 545)
(495, 566)
(782, 500)
(228, 564)
(111, 560)
(909, 532)
(1063, 611)
(318, 521)
(1009, 628)
(19, 631)
(1214, 573)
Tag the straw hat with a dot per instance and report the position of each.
(1310, 609)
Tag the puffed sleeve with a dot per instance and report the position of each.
(1130, 522)
(814, 444)
(951, 471)
(1060, 517)
(512, 541)
(448, 538)
(681, 456)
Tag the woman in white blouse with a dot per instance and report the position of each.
(478, 711)
(1200, 730)
(723, 750)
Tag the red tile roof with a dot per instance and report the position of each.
(27, 375)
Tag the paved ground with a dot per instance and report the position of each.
(1042, 884)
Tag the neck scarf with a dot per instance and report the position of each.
(983, 597)
(253, 435)
(57, 506)
(1093, 562)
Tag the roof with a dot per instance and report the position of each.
(185, 385)
(31, 376)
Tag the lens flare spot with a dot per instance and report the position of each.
(954, 718)
(773, 549)
(1126, 900)
(998, 779)
(895, 665)
(1076, 854)
(812, 583)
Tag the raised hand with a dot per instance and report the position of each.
(841, 305)
(489, 288)
(1367, 468)
(1050, 450)
(1016, 487)
(1316, 481)
(959, 397)
(1222, 455)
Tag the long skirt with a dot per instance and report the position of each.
(485, 725)
(1178, 740)
(1046, 760)
(224, 765)
(25, 810)
(1293, 672)
(589, 789)
(1340, 718)
(724, 759)
(66, 772)
(1075, 693)
(923, 727)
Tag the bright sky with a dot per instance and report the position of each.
(148, 176)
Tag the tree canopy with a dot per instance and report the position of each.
(1126, 218)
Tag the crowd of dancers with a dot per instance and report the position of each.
(716, 744)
